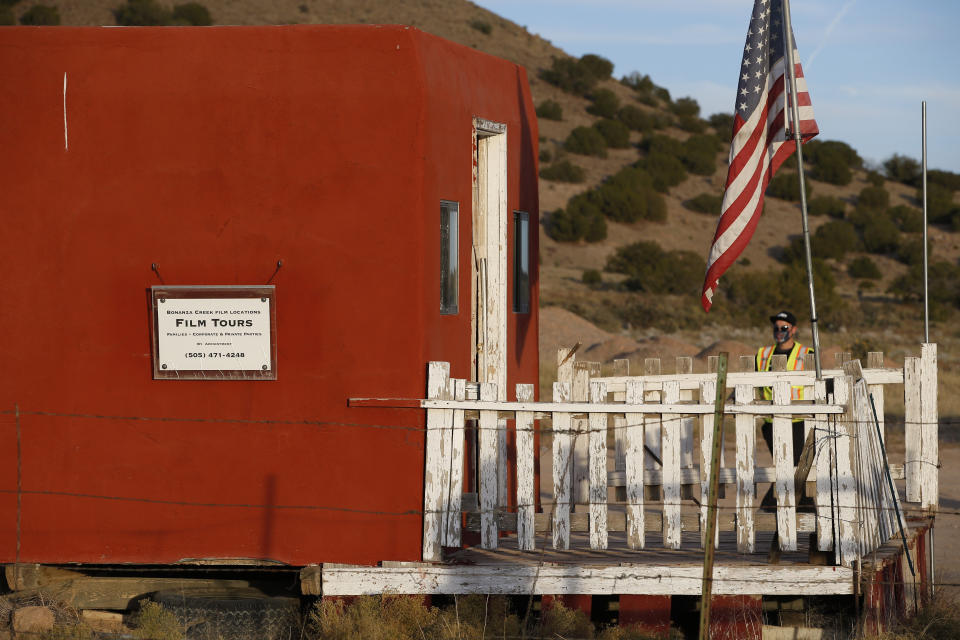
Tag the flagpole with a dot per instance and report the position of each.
(926, 258)
(795, 110)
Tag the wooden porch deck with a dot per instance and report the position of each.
(618, 570)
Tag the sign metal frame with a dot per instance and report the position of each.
(160, 293)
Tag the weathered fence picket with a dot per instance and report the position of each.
(526, 499)
(562, 442)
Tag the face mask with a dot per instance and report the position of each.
(781, 336)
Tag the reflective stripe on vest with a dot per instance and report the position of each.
(794, 363)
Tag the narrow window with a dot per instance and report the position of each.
(449, 261)
(521, 262)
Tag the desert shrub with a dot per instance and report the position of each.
(722, 123)
(947, 179)
(662, 93)
(545, 155)
(662, 143)
(649, 268)
(605, 103)
(153, 622)
(482, 26)
(873, 198)
(636, 118)
(628, 196)
(192, 13)
(907, 218)
(598, 66)
(827, 206)
(705, 203)
(786, 185)
(591, 277)
(41, 15)
(691, 124)
(563, 171)
(560, 622)
(569, 75)
(943, 289)
(819, 150)
(580, 220)
(748, 294)
(638, 82)
(550, 110)
(834, 239)
(586, 141)
(685, 107)
(699, 154)
(875, 178)
(6, 16)
(940, 205)
(142, 13)
(903, 169)
(666, 170)
(578, 76)
(863, 267)
(832, 169)
(614, 132)
(910, 251)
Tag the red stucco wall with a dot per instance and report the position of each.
(214, 153)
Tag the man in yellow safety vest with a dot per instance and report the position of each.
(784, 335)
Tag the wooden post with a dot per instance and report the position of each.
(561, 469)
(708, 389)
(455, 497)
(823, 442)
(720, 387)
(672, 473)
(437, 466)
(652, 429)
(783, 464)
(634, 465)
(489, 458)
(580, 472)
(746, 455)
(846, 483)
(526, 500)
(621, 368)
(929, 428)
(598, 469)
(912, 430)
(685, 367)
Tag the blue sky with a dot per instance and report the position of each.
(868, 63)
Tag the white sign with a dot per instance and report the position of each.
(213, 334)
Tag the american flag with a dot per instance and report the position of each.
(762, 138)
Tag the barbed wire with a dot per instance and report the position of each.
(649, 421)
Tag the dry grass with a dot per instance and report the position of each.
(940, 620)
(474, 617)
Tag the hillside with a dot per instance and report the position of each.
(861, 314)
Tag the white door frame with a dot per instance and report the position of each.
(490, 223)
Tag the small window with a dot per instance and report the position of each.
(449, 257)
(521, 262)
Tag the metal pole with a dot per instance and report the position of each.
(795, 110)
(708, 543)
(926, 258)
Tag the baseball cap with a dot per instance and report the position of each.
(785, 316)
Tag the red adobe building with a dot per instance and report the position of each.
(393, 173)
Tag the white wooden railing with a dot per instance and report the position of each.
(653, 418)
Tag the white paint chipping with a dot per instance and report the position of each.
(66, 139)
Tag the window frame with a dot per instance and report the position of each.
(521, 262)
(449, 257)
